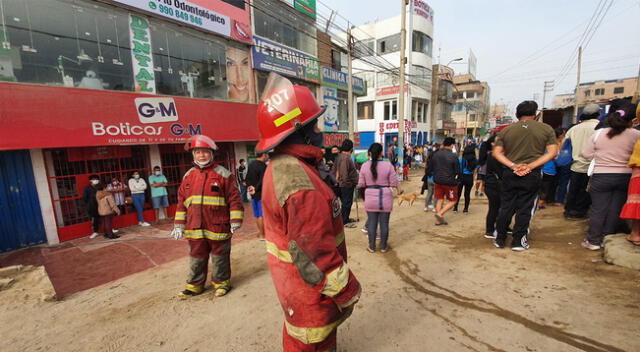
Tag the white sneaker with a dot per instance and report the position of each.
(431, 207)
(144, 223)
(426, 209)
(94, 235)
(115, 231)
(364, 229)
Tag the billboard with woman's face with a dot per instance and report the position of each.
(239, 77)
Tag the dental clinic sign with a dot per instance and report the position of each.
(141, 55)
(228, 18)
(340, 80)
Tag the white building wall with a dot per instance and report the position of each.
(44, 196)
(382, 29)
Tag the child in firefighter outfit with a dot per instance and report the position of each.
(209, 211)
(307, 253)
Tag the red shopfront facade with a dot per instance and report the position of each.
(112, 134)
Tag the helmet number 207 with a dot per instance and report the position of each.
(276, 100)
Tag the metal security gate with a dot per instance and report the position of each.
(21, 220)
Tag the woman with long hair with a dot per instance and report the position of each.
(468, 163)
(378, 178)
(611, 149)
(492, 186)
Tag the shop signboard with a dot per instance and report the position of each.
(273, 57)
(307, 7)
(334, 138)
(422, 9)
(76, 118)
(141, 55)
(393, 90)
(340, 80)
(225, 17)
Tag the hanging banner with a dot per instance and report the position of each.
(339, 80)
(273, 57)
(330, 99)
(226, 17)
(141, 55)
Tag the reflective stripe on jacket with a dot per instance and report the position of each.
(208, 202)
(307, 254)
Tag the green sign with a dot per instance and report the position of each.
(308, 7)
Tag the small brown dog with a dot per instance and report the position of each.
(409, 198)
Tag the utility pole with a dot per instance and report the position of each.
(548, 87)
(401, 102)
(350, 83)
(575, 110)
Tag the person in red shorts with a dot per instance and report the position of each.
(445, 168)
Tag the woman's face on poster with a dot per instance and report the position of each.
(238, 75)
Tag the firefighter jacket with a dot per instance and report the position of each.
(208, 202)
(307, 254)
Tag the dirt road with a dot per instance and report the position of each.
(440, 288)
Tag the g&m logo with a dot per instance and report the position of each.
(156, 110)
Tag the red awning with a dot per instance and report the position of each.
(35, 116)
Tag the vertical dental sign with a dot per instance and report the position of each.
(141, 54)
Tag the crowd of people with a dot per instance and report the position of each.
(103, 201)
(591, 169)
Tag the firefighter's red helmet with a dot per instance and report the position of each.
(283, 109)
(200, 141)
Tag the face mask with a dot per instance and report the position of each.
(95, 182)
(158, 173)
(136, 176)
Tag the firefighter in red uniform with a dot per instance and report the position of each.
(209, 211)
(304, 234)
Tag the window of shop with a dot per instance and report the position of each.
(68, 171)
(262, 77)
(364, 48)
(389, 44)
(422, 76)
(386, 79)
(365, 110)
(278, 22)
(336, 60)
(391, 110)
(78, 43)
(587, 93)
(419, 111)
(599, 91)
(176, 162)
(618, 90)
(422, 43)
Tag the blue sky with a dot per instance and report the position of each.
(504, 34)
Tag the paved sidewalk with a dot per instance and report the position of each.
(85, 263)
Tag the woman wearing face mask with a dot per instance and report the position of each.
(138, 186)
(91, 204)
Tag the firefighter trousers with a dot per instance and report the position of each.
(291, 344)
(200, 250)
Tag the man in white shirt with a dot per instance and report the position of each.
(578, 199)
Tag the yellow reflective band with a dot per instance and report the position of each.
(194, 288)
(205, 200)
(310, 335)
(336, 281)
(237, 215)
(287, 117)
(340, 238)
(215, 236)
(283, 255)
(180, 215)
(226, 283)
